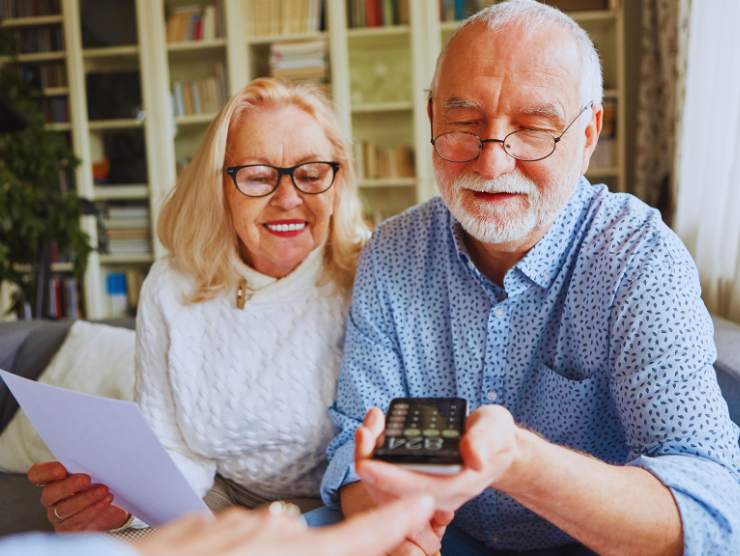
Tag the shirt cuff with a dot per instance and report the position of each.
(707, 495)
(340, 472)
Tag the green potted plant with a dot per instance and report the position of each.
(35, 209)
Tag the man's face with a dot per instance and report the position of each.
(490, 84)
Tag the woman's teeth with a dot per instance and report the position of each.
(286, 227)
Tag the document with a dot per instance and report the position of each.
(110, 441)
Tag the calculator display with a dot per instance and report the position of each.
(423, 430)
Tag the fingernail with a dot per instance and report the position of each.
(427, 502)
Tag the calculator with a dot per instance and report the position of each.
(424, 434)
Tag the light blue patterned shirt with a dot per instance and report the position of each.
(598, 340)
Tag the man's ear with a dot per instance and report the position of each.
(429, 111)
(592, 132)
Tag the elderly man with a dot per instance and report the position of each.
(569, 317)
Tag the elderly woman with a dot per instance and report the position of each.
(239, 329)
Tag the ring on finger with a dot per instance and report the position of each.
(56, 513)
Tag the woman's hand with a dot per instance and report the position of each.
(74, 504)
(238, 532)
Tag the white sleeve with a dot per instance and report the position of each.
(153, 392)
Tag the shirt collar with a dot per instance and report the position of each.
(544, 261)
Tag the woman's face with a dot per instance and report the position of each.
(277, 232)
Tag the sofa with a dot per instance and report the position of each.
(26, 348)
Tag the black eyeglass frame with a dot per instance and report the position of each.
(555, 140)
(284, 171)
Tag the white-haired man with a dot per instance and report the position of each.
(569, 317)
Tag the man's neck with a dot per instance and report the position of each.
(495, 259)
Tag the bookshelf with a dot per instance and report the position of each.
(375, 67)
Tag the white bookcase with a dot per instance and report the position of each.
(378, 81)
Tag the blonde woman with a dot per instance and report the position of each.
(239, 329)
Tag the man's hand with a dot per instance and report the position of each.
(489, 448)
(238, 532)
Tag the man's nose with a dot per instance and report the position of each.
(286, 196)
(493, 161)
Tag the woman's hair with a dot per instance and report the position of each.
(195, 224)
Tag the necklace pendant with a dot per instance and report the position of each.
(241, 294)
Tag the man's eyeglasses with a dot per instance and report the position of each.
(260, 180)
(528, 145)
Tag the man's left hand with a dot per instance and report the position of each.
(490, 450)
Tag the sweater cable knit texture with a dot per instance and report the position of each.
(243, 393)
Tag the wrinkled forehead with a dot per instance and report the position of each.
(513, 65)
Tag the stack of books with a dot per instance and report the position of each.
(299, 61)
(64, 299)
(605, 155)
(123, 290)
(40, 39)
(28, 8)
(377, 13)
(284, 17)
(377, 162)
(127, 230)
(200, 96)
(43, 75)
(56, 109)
(193, 23)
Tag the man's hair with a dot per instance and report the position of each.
(195, 224)
(537, 16)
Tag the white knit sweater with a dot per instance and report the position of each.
(242, 392)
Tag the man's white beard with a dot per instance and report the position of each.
(504, 222)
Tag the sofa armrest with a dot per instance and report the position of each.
(727, 338)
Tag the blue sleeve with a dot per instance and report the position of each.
(84, 544)
(676, 423)
(371, 372)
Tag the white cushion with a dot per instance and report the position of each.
(95, 359)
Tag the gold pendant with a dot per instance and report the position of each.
(241, 294)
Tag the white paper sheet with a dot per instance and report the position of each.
(111, 441)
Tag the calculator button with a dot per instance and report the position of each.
(393, 432)
(450, 433)
(401, 406)
(412, 432)
(431, 433)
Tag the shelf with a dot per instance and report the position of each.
(387, 182)
(33, 57)
(184, 46)
(58, 126)
(62, 267)
(32, 21)
(110, 51)
(105, 125)
(126, 223)
(604, 172)
(268, 39)
(584, 16)
(194, 119)
(587, 16)
(55, 91)
(126, 258)
(120, 192)
(373, 107)
(385, 31)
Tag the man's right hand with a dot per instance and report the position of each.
(74, 504)
(356, 499)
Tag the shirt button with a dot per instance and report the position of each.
(492, 395)
(499, 312)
